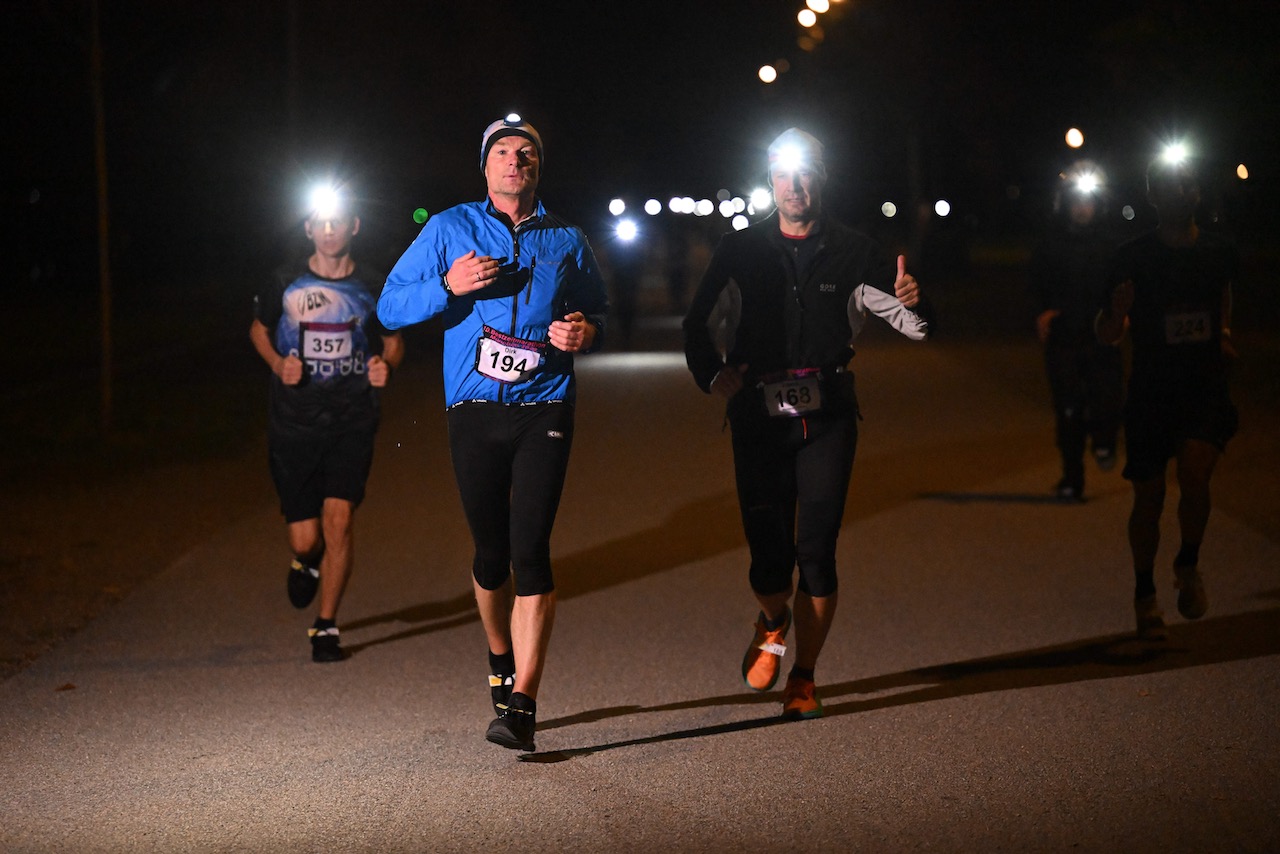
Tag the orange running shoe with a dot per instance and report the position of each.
(763, 660)
(800, 700)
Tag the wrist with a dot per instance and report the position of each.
(444, 282)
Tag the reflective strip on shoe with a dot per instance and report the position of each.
(314, 633)
(499, 681)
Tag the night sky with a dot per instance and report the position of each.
(219, 113)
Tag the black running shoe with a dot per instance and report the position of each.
(513, 728)
(325, 645)
(304, 581)
(500, 688)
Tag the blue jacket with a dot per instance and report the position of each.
(549, 272)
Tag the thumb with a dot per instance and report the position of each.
(902, 266)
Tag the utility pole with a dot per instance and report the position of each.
(104, 243)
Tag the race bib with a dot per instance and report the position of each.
(326, 341)
(507, 359)
(1191, 327)
(799, 395)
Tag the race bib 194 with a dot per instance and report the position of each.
(507, 359)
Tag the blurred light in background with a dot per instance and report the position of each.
(818, 6)
(807, 18)
(1075, 138)
(761, 199)
(626, 230)
(942, 207)
(726, 208)
(653, 207)
(704, 207)
(617, 206)
(889, 209)
(740, 222)
(1127, 212)
(1242, 172)
(768, 73)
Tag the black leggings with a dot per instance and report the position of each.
(510, 463)
(793, 478)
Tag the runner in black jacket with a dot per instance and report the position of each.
(787, 297)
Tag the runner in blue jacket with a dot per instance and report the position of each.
(519, 292)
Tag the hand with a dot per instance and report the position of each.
(290, 370)
(378, 371)
(729, 381)
(471, 272)
(905, 287)
(1044, 323)
(1122, 299)
(1228, 348)
(573, 334)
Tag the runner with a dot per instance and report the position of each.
(520, 292)
(793, 292)
(315, 326)
(1171, 289)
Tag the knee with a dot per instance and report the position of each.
(819, 581)
(338, 515)
(491, 570)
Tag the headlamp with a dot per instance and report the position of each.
(326, 202)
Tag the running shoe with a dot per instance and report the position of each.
(513, 729)
(1150, 619)
(763, 660)
(304, 581)
(800, 700)
(325, 645)
(500, 688)
(1193, 602)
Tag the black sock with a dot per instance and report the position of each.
(503, 664)
(1188, 555)
(523, 703)
(801, 673)
(774, 625)
(1144, 585)
(321, 623)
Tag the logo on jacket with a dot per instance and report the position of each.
(826, 288)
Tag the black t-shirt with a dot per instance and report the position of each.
(1176, 320)
(332, 325)
(1069, 274)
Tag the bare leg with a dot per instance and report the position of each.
(495, 615)
(775, 604)
(305, 538)
(1195, 464)
(531, 622)
(1144, 522)
(339, 548)
(813, 616)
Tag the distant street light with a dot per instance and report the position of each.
(1075, 138)
(768, 73)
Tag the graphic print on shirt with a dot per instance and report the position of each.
(323, 324)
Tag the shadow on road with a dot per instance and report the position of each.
(696, 531)
(1234, 637)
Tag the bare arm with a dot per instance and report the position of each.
(287, 368)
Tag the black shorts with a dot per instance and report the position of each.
(307, 471)
(1155, 428)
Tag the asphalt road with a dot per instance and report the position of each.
(981, 686)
